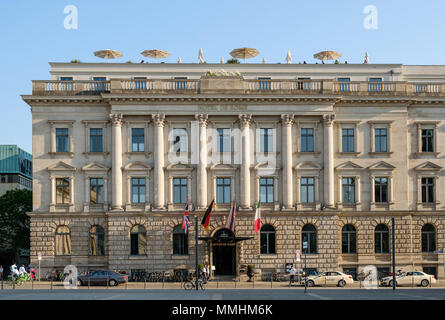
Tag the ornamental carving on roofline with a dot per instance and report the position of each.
(287, 119)
(202, 119)
(116, 119)
(328, 119)
(159, 119)
(244, 120)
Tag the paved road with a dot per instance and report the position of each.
(225, 294)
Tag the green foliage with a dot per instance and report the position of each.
(75, 61)
(14, 222)
(250, 267)
(233, 61)
(129, 61)
(200, 266)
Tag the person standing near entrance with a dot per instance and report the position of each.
(292, 275)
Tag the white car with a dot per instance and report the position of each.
(417, 278)
(329, 278)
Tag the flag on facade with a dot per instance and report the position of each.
(206, 219)
(186, 219)
(258, 217)
(231, 218)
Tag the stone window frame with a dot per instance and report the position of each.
(179, 171)
(382, 170)
(62, 124)
(69, 234)
(428, 170)
(257, 125)
(221, 157)
(307, 124)
(223, 171)
(266, 172)
(381, 124)
(349, 170)
(184, 157)
(95, 170)
(187, 241)
(63, 171)
(99, 125)
(96, 225)
(268, 255)
(307, 169)
(427, 125)
(137, 169)
(348, 124)
(133, 124)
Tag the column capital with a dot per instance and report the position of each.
(202, 119)
(328, 119)
(159, 119)
(116, 119)
(244, 120)
(287, 119)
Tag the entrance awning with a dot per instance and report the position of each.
(227, 239)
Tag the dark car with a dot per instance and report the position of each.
(102, 277)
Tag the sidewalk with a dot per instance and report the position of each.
(47, 285)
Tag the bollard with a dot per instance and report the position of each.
(51, 283)
(217, 283)
(235, 282)
(271, 283)
(145, 282)
(2, 283)
(89, 282)
(108, 280)
(253, 282)
(32, 284)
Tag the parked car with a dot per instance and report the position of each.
(417, 278)
(102, 277)
(329, 278)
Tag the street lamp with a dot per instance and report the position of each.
(39, 257)
(305, 269)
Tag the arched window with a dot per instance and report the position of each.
(381, 239)
(309, 235)
(138, 238)
(267, 239)
(97, 241)
(180, 241)
(63, 241)
(428, 238)
(348, 239)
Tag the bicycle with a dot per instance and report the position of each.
(191, 284)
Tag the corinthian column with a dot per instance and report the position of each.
(328, 158)
(202, 166)
(116, 161)
(159, 122)
(286, 125)
(244, 122)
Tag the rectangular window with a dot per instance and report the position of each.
(381, 189)
(266, 140)
(304, 83)
(427, 190)
(180, 140)
(307, 190)
(307, 140)
(375, 85)
(266, 190)
(180, 190)
(67, 84)
(347, 140)
(137, 190)
(62, 190)
(264, 83)
(343, 85)
(348, 186)
(137, 140)
(223, 190)
(380, 137)
(99, 84)
(427, 140)
(96, 190)
(96, 140)
(223, 144)
(62, 140)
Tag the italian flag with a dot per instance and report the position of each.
(258, 217)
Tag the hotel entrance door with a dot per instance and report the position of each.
(224, 259)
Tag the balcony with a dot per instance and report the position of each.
(236, 85)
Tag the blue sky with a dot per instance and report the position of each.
(32, 34)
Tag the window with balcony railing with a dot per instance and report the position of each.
(264, 84)
(343, 84)
(375, 85)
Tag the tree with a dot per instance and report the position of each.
(233, 61)
(14, 222)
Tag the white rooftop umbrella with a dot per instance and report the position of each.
(264, 60)
(108, 54)
(288, 57)
(179, 60)
(366, 58)
(222, 60)
(200, 56)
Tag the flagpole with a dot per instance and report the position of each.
(196, 249)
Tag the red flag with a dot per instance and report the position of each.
(186, 219)
(231, 218)
(258, 217)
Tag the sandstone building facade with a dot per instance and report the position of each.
(331, 152)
